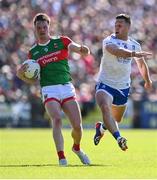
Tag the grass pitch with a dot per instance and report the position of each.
(30, 153)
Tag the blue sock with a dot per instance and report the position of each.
(116, 135)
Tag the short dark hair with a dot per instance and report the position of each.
(41, 17)
(126, 17)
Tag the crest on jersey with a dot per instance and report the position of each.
(55, 45)
(46, 49)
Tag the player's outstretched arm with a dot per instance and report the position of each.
(125, 53)
(20, 74)
(81, 49)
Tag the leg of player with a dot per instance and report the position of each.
(118, 112)
(72, 110)
(54, 111)
(105, 103)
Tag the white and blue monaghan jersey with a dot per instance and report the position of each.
(115, 71)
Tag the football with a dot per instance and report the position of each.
(33, 70)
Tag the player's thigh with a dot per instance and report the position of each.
(53, 109)
(118, 112)
(103, 98)
(72, 110)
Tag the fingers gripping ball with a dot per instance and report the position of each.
(33, 69)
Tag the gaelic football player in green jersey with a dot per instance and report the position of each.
(57, 90)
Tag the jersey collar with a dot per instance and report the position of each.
(44, 43)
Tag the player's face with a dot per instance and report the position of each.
(42, 30)
(121, 28)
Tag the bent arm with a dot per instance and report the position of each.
(117, 51)
(125, 53)
(20, 74)
(81, 49)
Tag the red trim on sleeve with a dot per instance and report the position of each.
(66, 41)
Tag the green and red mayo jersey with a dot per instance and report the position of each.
(53, 60)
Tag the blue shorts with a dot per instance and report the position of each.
(119, 96)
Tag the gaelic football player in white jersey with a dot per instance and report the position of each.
(113, 81)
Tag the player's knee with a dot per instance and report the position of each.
(57, 122)
(105, 107)
(118, 119)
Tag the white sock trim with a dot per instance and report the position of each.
(102, 130)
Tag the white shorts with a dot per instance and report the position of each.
(60, 93)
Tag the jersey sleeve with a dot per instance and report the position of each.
(66, 41)
(108, 41)
(138, 48)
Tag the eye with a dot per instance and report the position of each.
(38, 28)
(45, 27)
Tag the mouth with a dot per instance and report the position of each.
(42, 34)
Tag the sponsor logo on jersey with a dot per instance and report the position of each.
(123, 60)
(52, 57)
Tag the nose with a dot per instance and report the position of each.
(42, 29)
(117, 25)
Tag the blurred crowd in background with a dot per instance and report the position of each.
(84, 21)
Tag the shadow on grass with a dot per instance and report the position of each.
(91, 165)
(48, 165)
(27, 165)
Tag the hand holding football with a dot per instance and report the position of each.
(32, 69)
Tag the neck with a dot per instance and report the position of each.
(122, 37)
(43, 40)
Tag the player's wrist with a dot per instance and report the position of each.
(133, 54)
(81, 48)
(84, 50)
